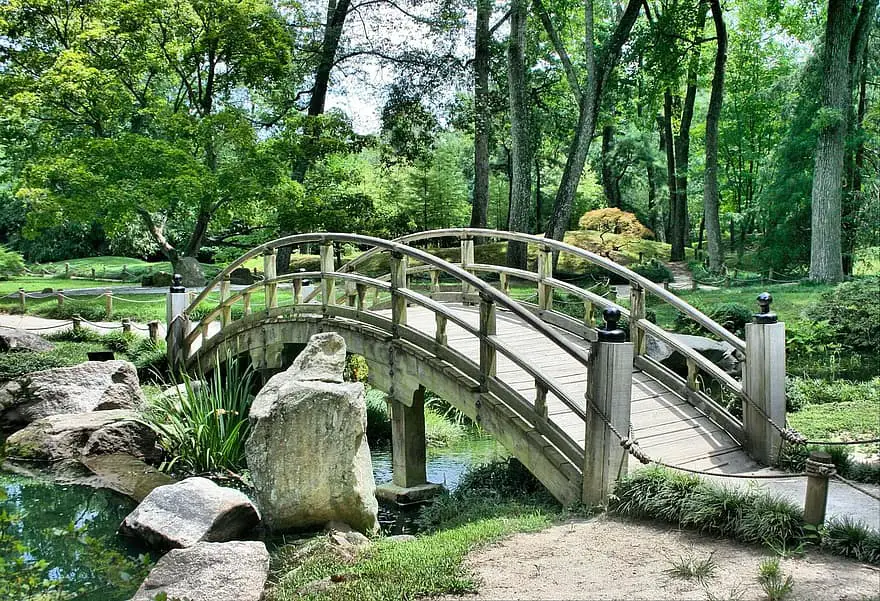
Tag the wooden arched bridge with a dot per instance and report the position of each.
(557, 391)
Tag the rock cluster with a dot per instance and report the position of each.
(22, 340)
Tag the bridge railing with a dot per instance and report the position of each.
(350, 300)
(706, 386)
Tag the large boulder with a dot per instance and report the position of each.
(307, 451)
(720, 353)
(192, 511)
(242, 276)
(92, 386)
(191, 272)
(234, 571)
(22, 340)
(69, 436)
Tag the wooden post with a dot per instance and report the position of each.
(545, 270)
(59, 294)
(246, 303)
(770, 274)
(589, 314)
(819, 468)
(328, 284)
(225, 310)
(764, 383)
(694, 285)
(505, 283)
(408, 442)
(93, 273)
(270, 287)
(440, 329)
(666, 284)
(350, 293)
(435, 281)
(361, 290)
(77, 323)
(487, 350)
(67, 270)
(637, 311)
(108, 302)
(177, 324)
(398, 302)
(727, 281)
(22, 300)
(540, 399)
(152, 328)
(467, 259)
(693, 372)
(126, 325)
(609, 395)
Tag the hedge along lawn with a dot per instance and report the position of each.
(38, 284)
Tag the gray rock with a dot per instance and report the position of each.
(242, 276)
(22, 340)
(179, 391)
(191, 271)
(401, 538)
(67, 436)
(233, 571)
(92, 386)
(721, 354)
(308, 451)
(192, 511)
(322, 360)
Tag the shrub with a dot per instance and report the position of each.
(812, 391)
(11, 262)
(654, 270)
(846, 537)
(204, 428)
(13, 365)
(851, 309)
(733, 316)
(614, 221)
(793, 459)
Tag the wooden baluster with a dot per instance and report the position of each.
(269, 275)
(225, 309)
(589, 314)
(435, 281)
(328, 283)
(487, 350)
(636, 312)
(540, 399)
(505, 284)
(297, 291)
(246, 303)
(440, 330)
(398, 302)
(350, 293)
(59, 294)
(467, 259)
(693, 372)
(545, 270)
(361, 295)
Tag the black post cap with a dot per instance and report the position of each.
(765, 315)
(611, 333)
(177, 283)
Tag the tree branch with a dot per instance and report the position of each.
(570, 72)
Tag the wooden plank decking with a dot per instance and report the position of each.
(666, 426)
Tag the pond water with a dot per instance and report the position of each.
(73, 528)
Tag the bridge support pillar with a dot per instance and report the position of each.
(409, 482)
(764, 384)
(609, 396)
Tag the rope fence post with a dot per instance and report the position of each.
(609, 394)
(764, 383)
(77, 323)
(59, 294)
(108, 302)
(126, 325)
(819, 468)
(22, 300)
(152, 329)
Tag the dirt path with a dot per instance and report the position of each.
(608, 559)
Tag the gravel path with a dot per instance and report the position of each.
(603, 558)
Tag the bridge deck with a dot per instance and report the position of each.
(667, 427)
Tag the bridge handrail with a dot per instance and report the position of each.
(484, 289)
(634, 278)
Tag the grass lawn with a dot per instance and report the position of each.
(850, 420)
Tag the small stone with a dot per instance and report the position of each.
(357, 539)
(401, 538)
(232, 571)
(189, 512)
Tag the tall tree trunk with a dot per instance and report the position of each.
(856, 164)
(844, 30)
(668, 143)
(539, 199)
(609, 178)
(597, 74)
(482, 115)
(711, 197)
(679, 215)
(520, 139)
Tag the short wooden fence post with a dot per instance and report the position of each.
(22, 300)
(270, 287)
(545, 271)
(126, 325)
(108, 302)
(77, 323)
(59, 294)
(152, 329)
(819, 468)
(764, 384)
(609, 395)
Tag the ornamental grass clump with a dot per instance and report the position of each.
(203, 428)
